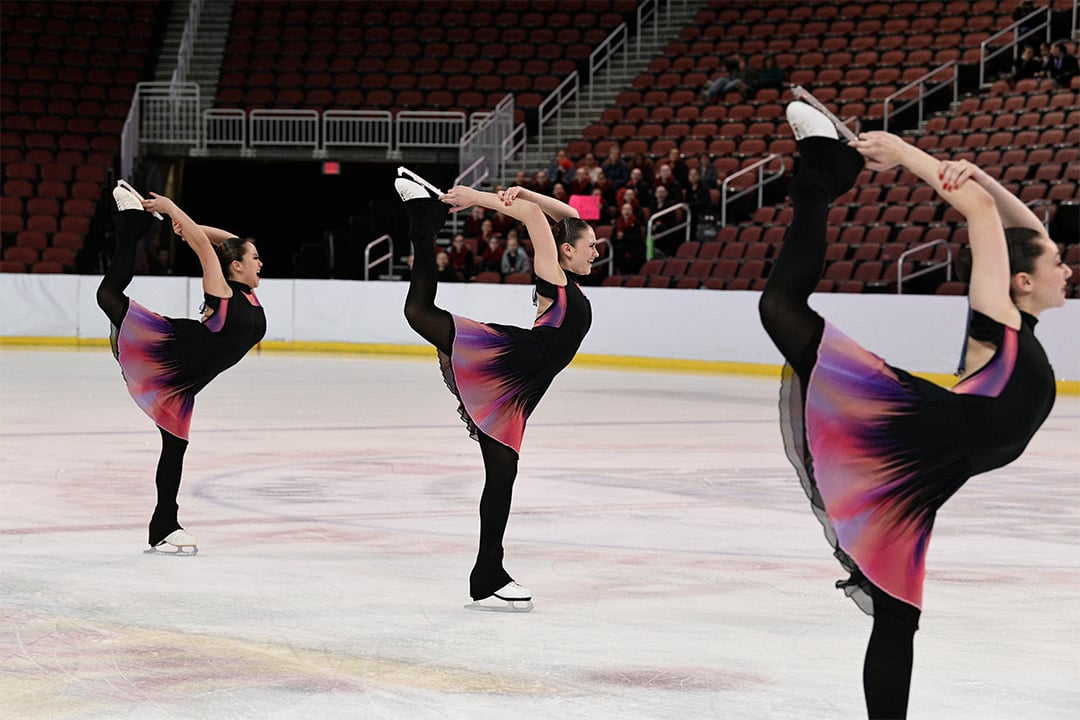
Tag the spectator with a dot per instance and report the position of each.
(541, 183)
(665, 177)
(615, 168)
(491, 257)
(558, 191)
(628, 241)
(707, 170)
(560, 167)
(663, 201)
(642, 161)
(771, 75)
(1062, 67)
(696, 197)
(461, 257)
(678, 165)
(592, 168)
(581, 184)
(162, 263)
(640, 183)
(1027, 65)
(1025, 8)
(740, 77)
(474, 221)
(487, 229)
(443, 271)
(606, 190)
(514, 259)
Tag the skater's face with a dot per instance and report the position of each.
(578, 256)
(1046, 286)
(246, 270)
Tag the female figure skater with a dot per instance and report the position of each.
(499, 372)
(166, 361)
(879, 450)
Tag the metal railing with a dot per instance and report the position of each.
(923, 92)
(609, 261)
(947, 262)
(284, 128)
(648, 10)
(1013, 30)
(161, 112)
(187, 43)
(729, 194)
(426, 128)
(358, 128)
(553, 106)
(485, 138)
(618, 40)
(472, 176)
(651, 238)
(388, 256)
(227, 126)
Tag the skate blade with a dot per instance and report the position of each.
(173, 550)
(494, 604)
(801, 93)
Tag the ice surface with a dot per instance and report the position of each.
(675, 565)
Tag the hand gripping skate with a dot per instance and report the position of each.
(178, 543)
(511, 597)
(801, 93)
(411, 186)
(123, 203)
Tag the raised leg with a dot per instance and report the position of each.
(426, 217)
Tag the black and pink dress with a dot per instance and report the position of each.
(500, 372)
(167, 361)
(879, 450)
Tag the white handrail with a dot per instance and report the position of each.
(369, 263)
(647, 9)
(762, 181)
(610, 260)
(930, 268)
(553, 105)
(604, 52)
(923, 92)
(650, 239)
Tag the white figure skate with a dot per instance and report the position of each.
(118, 191)
(178, 543)
(807, 98)
(509, 598)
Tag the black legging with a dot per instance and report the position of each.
(169, 469)
(436, 326)
(131, 227)
(827, 169)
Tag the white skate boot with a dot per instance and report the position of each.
(404, 172)
(815, 129)
(177, 543)
(128, 198)
(511, 597)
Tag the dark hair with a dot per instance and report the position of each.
(232, 249)
(569, 230)
(1024, 250)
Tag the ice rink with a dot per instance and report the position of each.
(675, 565)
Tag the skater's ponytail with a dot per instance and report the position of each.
(1024, 250)
(568, 230)
(232, 249)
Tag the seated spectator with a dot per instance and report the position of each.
(640, 183)
(615, 168)
(491, 257)
(1027, 65)
(1062, 67)
(663, 201)
(474, 221)
(771, 75)
(514, 259)
(443, 271)
(541, 183)
(628, 241)
(560, 167)
(665, 177)
(461, 257)
(739, 78)
(487, 229)
(696, 197)
(642, 161)
(581, 184)
(558, 191)
(592, 168)
(677, 164)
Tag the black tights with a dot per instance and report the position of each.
(827, 169)
(436, 326)
(432, 323)
(170, 467)
(131, 227)
(889, 656)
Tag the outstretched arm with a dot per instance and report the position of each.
(195, 236)
(555, 209)
(988, 291)
(545, 254)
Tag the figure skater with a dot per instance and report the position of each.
(166, 361)
(879, 450)
(499, 372)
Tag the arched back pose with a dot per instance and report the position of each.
(500, 372)
(879, 450)
(166, 361)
